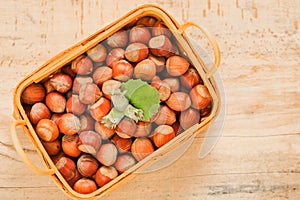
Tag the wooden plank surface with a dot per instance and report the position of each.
(257, 156)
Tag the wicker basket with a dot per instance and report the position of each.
(68, 55)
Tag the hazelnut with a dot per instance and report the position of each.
(123, 144)
(115, 55)
(90, 142)
(75, 106)
(97, 53)
(142, 129)
(89, 93)
(56, 102)
(173, 83)
(33, 93)
(163, 88)
(70, 145)
(48, 87)
(126, 128)
(124, 162)
(177, 65)
(179, 101)
(104, 131)
(160, 45)
(74, 179)
(99, 109)
(47, 130)
(136, 52)
(39, 111)
(102, 74)
(162, 135)
(118, 39)
(85, 186)
(107, 154)
(189, 118)
(122, 70)
(87, 165)
(158, 61)
(165, 115)
(190, 78)
(56, 117)
(80, 81)
(141, 148)
(66, 167)
(109, 87)
(146, 21)
(68, 70)
(58, 156)
(160, 29)
(61, 82)
(82, 65)
(87, 122)
(139, 34)
(145, 70)
(200, 97)
(52, 148)
(69, 124)
(105, 174)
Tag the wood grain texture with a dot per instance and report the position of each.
(257, 156)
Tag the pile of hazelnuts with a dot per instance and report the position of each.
(66, 108)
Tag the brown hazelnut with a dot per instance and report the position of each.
(179, 101)
(141, 148)
(136, 52)
(162, 135)
(82, 65)
(189, 118)
(85, 186)
(105, 174)
(75, 106)
(52, 148)
(165, 115)
(39, 111)
(47, 130)
(56, 102)
(200, 97)
(123, 144)
(33, 93)
(86, 122)
(80, 81)
(66, 167)
(61, 82)
(104, 131)
(118, 39)
(126, 128)
(99, 109)
(115, 55)
(87, 165)
(97, 53)
(90, 142)
(139, 34)
(124, 162)
(177, 65)
(70, 145)
(160, 45)
(69, 124)
(107, 154)
(102, 74)
(89, 93)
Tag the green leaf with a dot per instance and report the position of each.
(143, 96)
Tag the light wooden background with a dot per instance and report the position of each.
(258, 155)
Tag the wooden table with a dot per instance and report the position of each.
(258, 155)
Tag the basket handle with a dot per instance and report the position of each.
(212, 42)
(21, 152)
